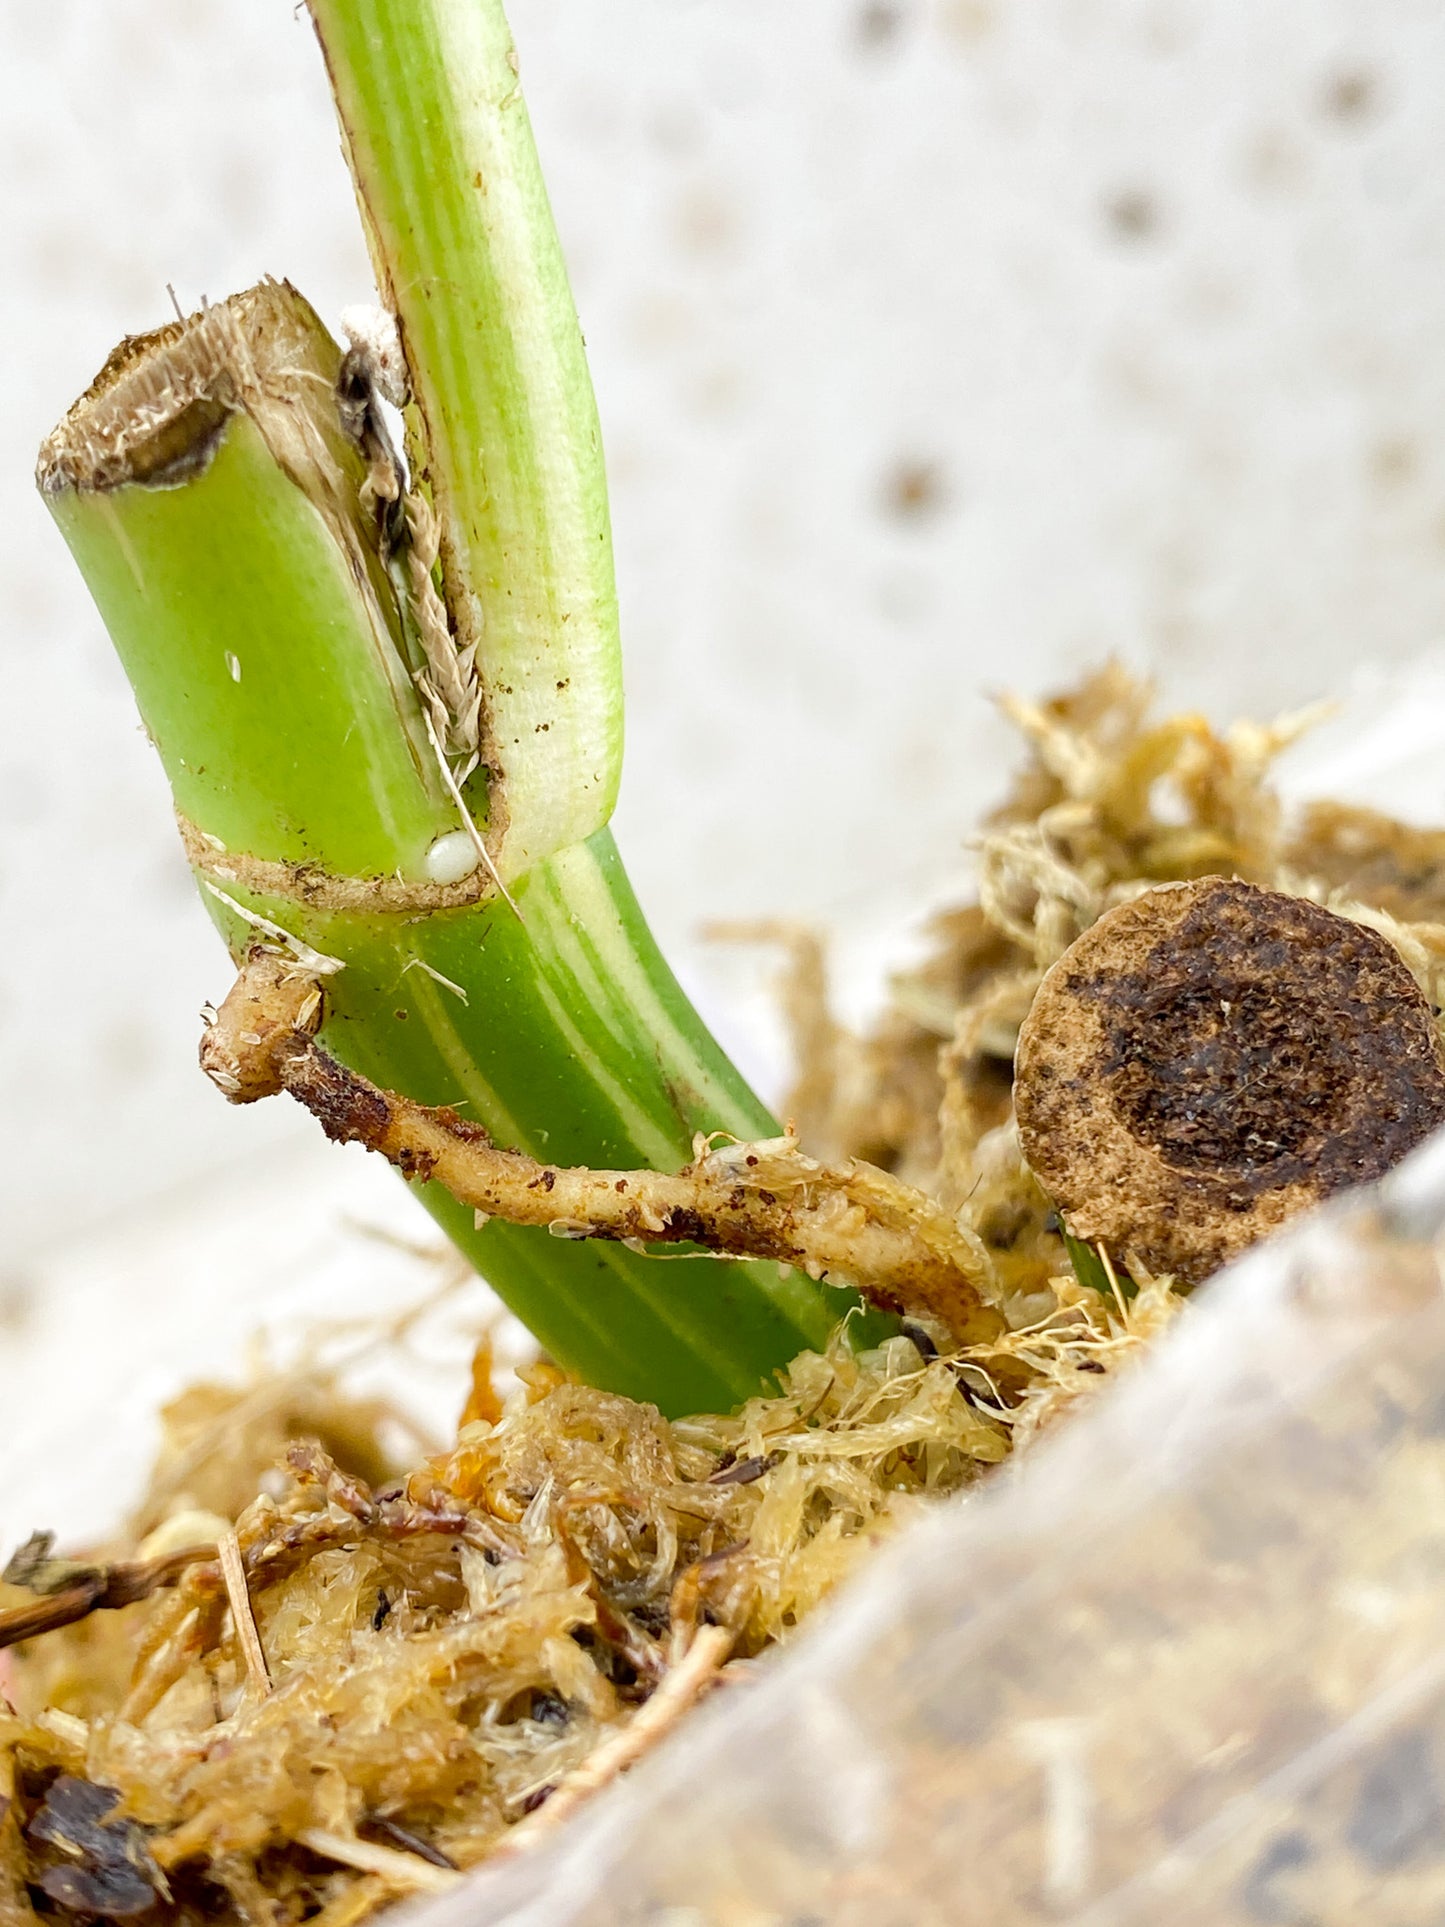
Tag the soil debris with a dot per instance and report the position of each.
(87, 1862)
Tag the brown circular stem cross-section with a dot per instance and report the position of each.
(1209, 1059)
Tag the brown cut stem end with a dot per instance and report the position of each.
(1211, 1058)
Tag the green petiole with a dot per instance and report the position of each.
(266, 574)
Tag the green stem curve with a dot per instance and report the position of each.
(219, 514)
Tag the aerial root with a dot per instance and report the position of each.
(849, 1223)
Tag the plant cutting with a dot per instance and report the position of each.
(388, 696)
(384, 685)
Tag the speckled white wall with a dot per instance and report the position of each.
(940, 345)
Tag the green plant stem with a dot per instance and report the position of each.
(1090, 1270)
(504, 430)
(218, 513)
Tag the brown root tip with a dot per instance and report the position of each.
(270, 1003)
(1210, 1059)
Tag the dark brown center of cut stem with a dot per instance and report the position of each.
(1260, 1051)
(1210, 1058)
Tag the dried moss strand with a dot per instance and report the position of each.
(407, 1871)
(238, 1594)
(681, 1689)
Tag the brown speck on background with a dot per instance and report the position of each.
(17, 1301)
(706, 221)
(1133, 214)
(914, 488)
(1394, 459)
(1273, 162)
(879, 24)
(968, 21)
(1353, 96)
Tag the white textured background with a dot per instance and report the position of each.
(940, 345)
